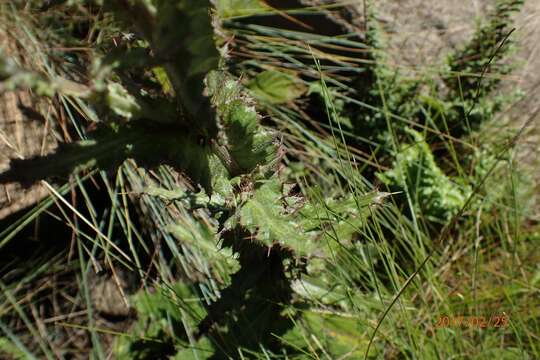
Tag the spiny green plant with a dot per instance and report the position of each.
(206, 128)
(258, 268)
(372, 104)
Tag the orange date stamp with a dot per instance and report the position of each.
(479, 322)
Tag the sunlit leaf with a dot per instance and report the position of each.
(232, 8)
(276, 87)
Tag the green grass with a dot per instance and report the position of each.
(386, 266)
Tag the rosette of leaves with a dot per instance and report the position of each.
(274, 231)
(415, 172)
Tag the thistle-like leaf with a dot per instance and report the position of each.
(273, 217)
(265, 215)
(247, 143)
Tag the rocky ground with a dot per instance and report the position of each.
(421, 33)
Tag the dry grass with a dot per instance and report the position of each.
(21, 136)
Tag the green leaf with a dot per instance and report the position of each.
(203, 349)
(163, 79)
(273, 216)
(415, 169)
(163, 316)
(11, 351)
(337, 334)
(265, 216)
(232, 8)
(248, 147)
(200, 236)
(120, 101)
(110, 150)
(247, 143)
(276, 87)
(187, 52)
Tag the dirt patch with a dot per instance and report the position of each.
(24, 133)
(421, 33)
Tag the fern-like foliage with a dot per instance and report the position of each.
(415, 172)
(484, 54)
(476, 69)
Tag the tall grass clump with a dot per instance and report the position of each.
(251, 179)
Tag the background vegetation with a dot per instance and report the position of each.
(245, 179)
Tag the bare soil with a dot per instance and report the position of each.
(24, 133)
